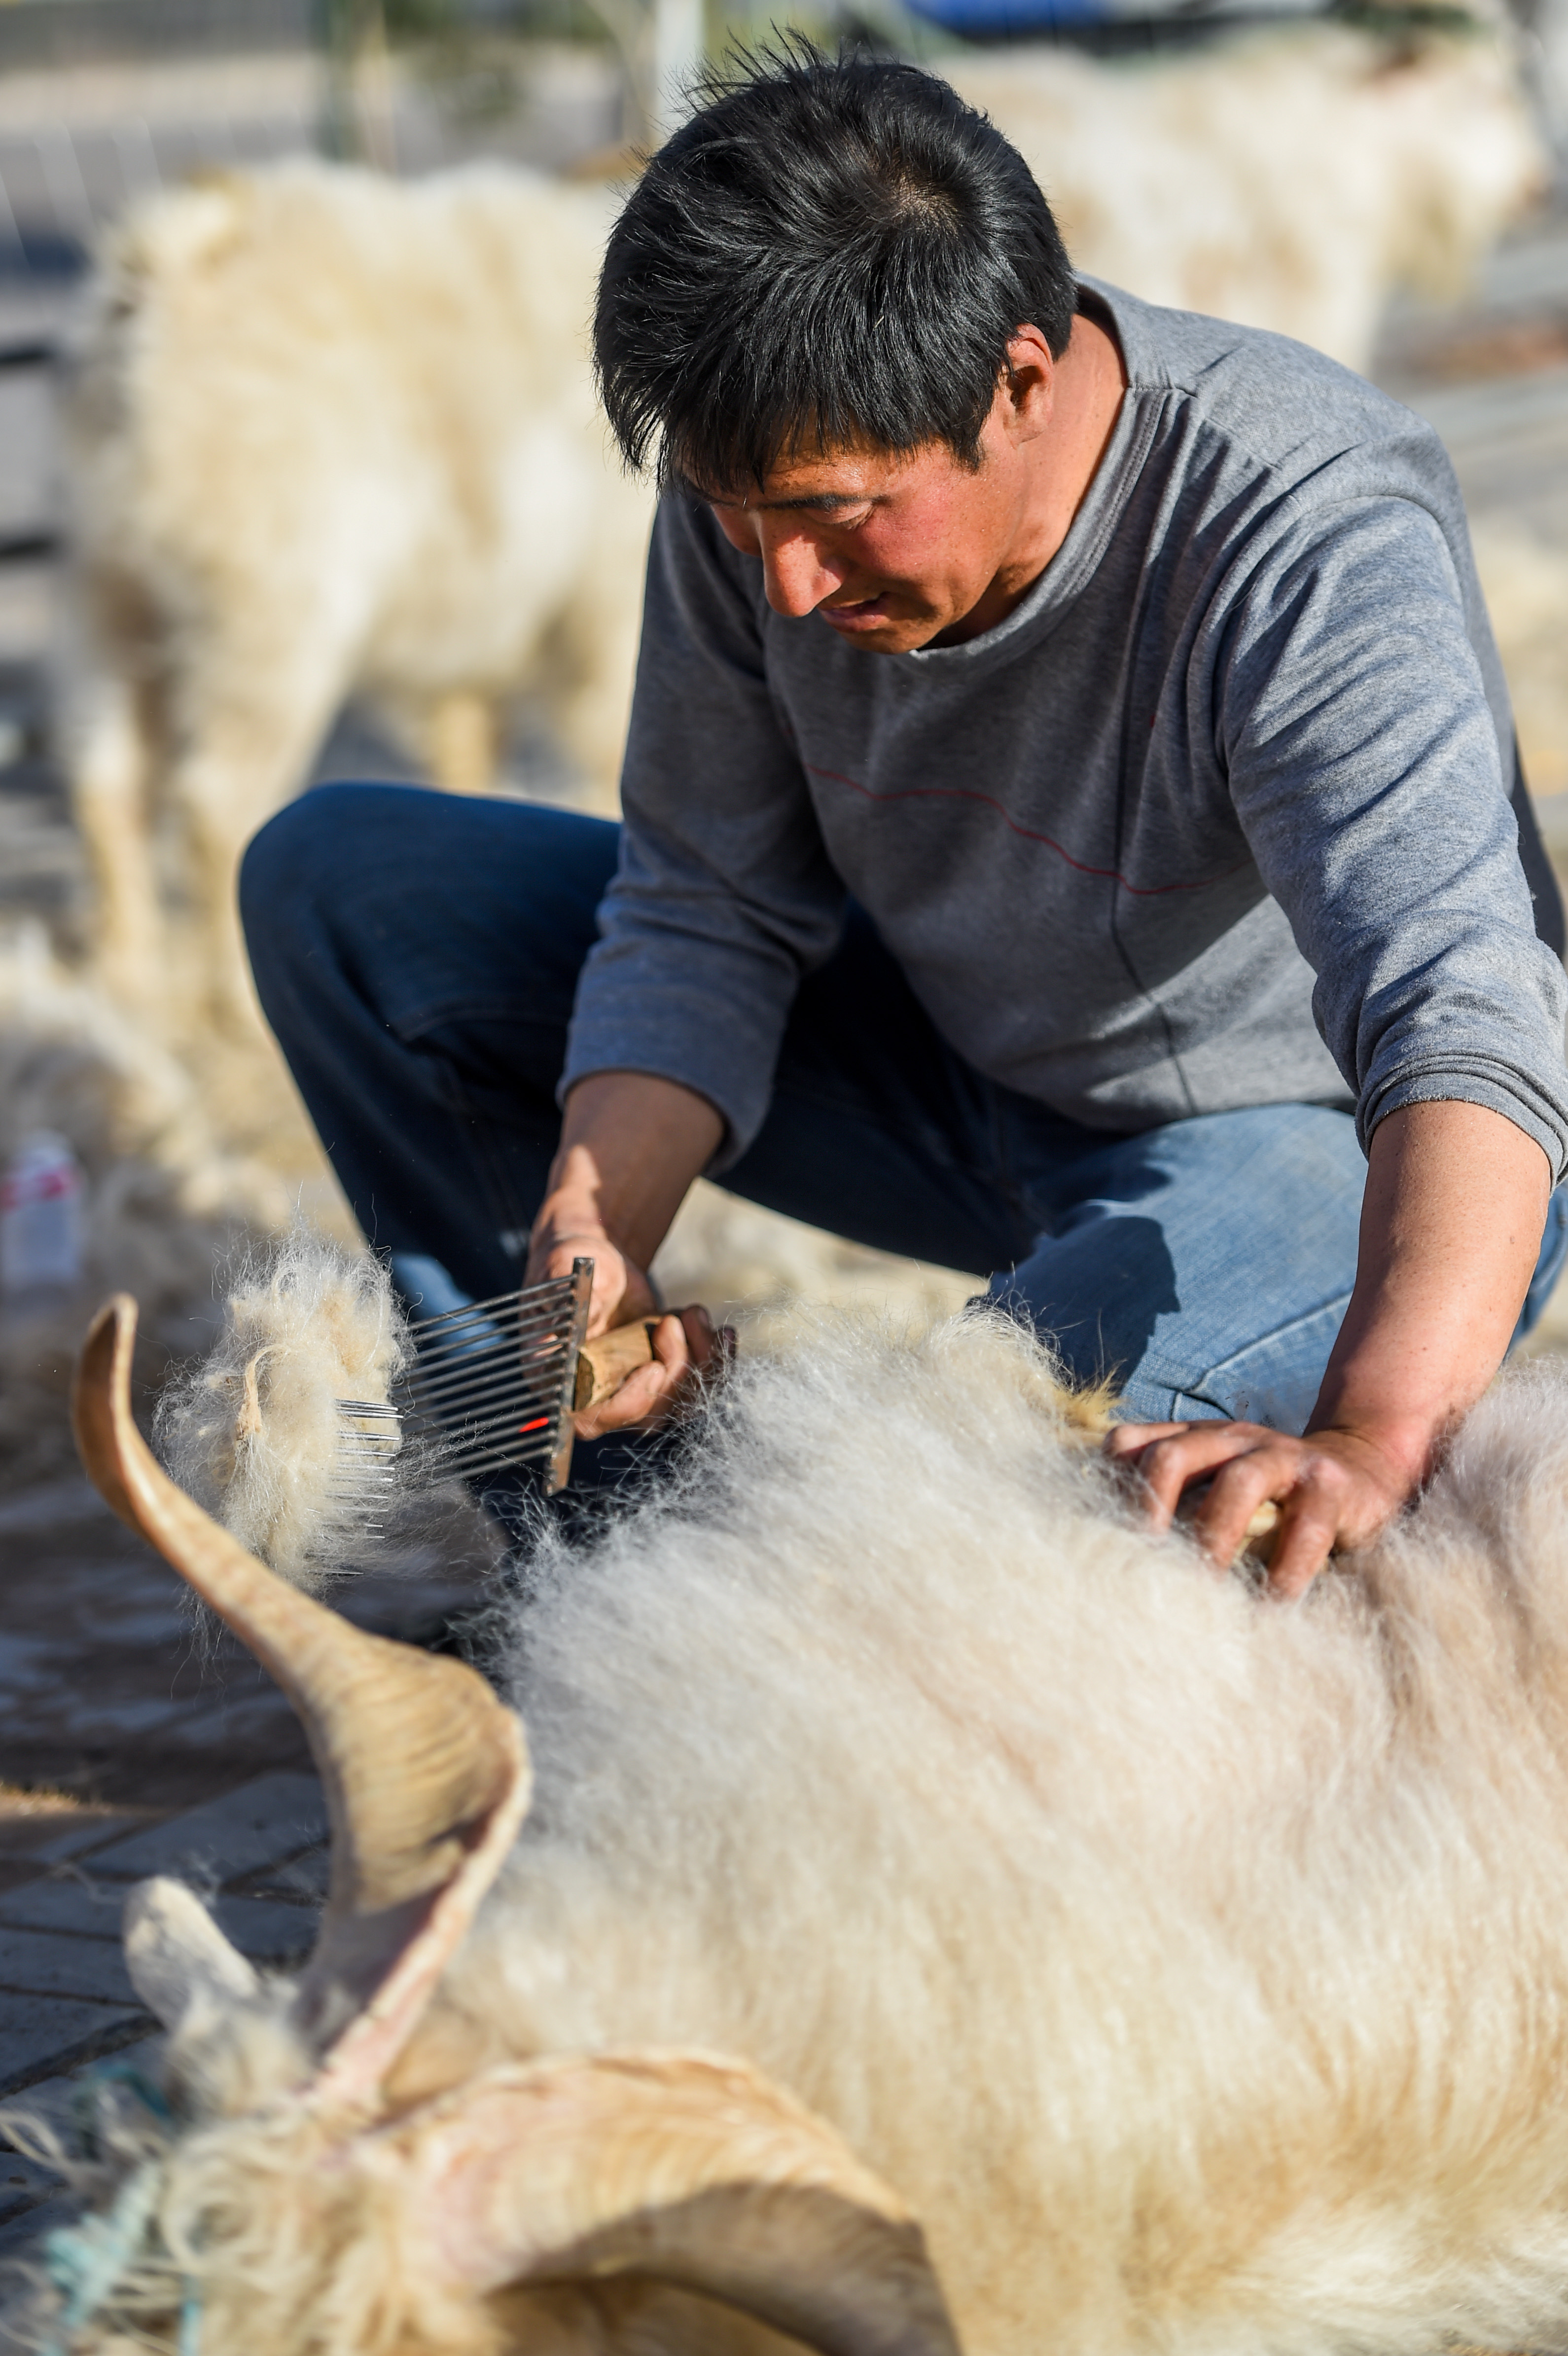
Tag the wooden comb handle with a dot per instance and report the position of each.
(603, 1364)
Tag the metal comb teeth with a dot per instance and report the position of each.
(490, 1388)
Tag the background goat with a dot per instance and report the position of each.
(330, 434)
(1289, 180)
(1195, 1970)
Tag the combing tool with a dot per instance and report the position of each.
(492, 1386)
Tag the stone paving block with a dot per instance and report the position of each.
(76, 1839)
(45, 2102)
(53, 1963)
(42, 2035)
(15, 2236)
(74, 1499)
(54, 2100)
(15, 2339)
(22, 2184)
(303, 1879)
(265, 1931)
(92, 1910)
(265, 1821)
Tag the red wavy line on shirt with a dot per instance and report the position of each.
(1029, 833)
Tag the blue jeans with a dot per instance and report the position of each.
(417, 956)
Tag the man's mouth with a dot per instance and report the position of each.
(865, 614)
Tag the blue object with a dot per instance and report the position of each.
(425, 1285)
(86, 2263)
(1034, 20)
(989, 20)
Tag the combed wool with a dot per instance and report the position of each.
(261, 1432)
(1195, 1966)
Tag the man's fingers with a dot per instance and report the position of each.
(1170, 1455)
(690, 1340)
(637, 1401)
(685, 1342)
(1245, 1467)
(1306, 1541)
(1128, 1438)
(1222, 1515)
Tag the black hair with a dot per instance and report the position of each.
(829, 252)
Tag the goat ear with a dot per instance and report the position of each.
(681, 2168)
(178, 1956)
(426, 1776)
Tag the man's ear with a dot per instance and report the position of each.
(1028, 384)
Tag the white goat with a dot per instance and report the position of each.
(1195, 1968)
(1289, 180)
(327, 434)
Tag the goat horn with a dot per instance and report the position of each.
(426, 1773)
(682, 2167)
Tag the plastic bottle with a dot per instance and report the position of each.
(40, 1218)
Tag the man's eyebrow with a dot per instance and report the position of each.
(817, 501)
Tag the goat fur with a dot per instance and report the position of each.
(1196, 1968)
(256, 1431)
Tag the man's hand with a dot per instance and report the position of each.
(688, 1345)
(1451, 1230)
(630, 1146)
(1335, 1489)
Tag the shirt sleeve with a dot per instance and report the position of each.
(1365, 770)
(724, 895)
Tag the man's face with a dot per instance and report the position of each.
(891, 552)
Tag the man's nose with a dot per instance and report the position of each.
(795, 573)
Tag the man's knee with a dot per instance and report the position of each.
(303, 848)
(1205, 1265)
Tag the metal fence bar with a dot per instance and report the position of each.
(143, 177)
(30, 547)
(74, 216)
(10, 235)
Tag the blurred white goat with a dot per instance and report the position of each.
(330, 436)
(1289, 180)
(915, 1836)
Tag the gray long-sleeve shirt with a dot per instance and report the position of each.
(1247, 728)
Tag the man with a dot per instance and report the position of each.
(1065, 833)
